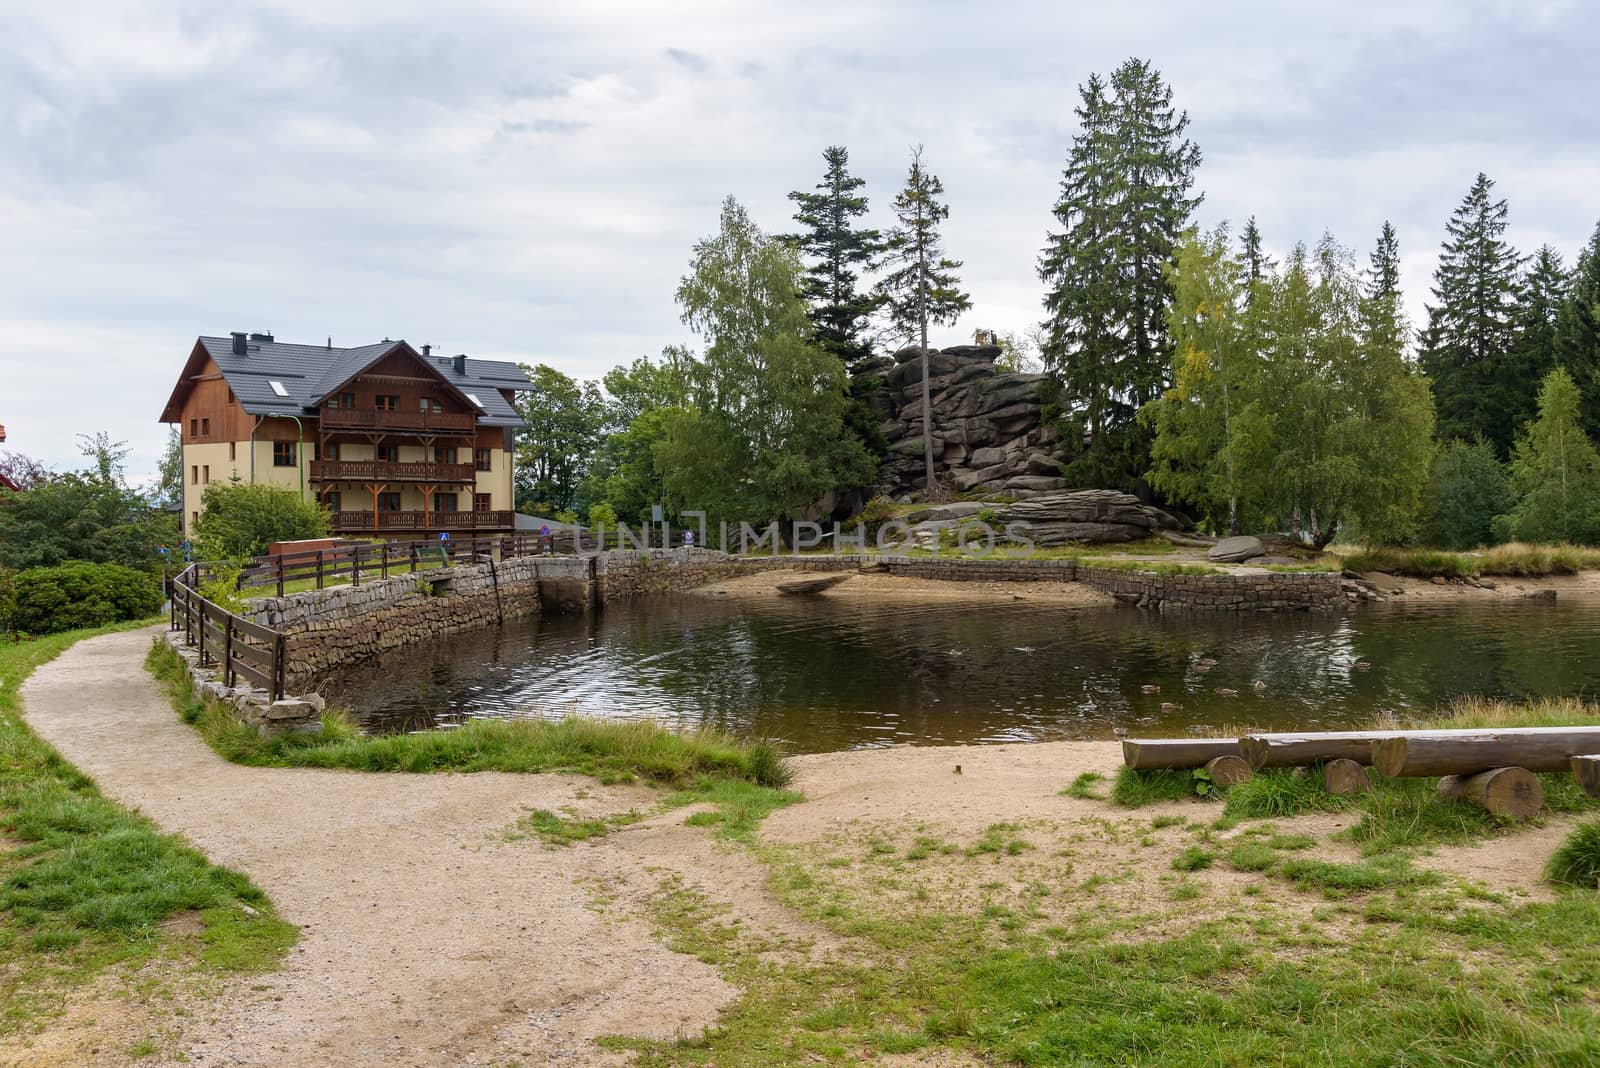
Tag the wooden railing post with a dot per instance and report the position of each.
(278, 567)
(319, 569)
(278, 668)
(355, 564)
(227, 651)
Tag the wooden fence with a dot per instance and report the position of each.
(239, 648)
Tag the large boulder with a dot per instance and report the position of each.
(1091, 506)
(1236, 550)
(1052, 535)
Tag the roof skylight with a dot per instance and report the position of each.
(277, 387)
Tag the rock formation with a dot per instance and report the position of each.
(988, 436)
(1085, 516)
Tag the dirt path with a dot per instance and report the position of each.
(428, 939)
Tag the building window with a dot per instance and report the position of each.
(283, 454)
(194, 519)
(444, 454)
(205, 428)
(194, 474)
(331, 500)
(480, 459)
(345, 400)
(194, 428)
(387, 402)
(431, 405)
(230, 397)
(205, 474)
(330, 451)
(233, 450)
(445, 502)
(389, 502)
(480, 502)
(389, 454)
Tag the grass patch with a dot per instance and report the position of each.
(739, 805)
(1135, 789)
(1083, 786)
(611, 752)
(999, 838)
(1576, 862)
(91, 882)
(1277, 792)
(1486, 712)
(1340, 880)
(558, 830)
(1514, 560)
(1194, 858)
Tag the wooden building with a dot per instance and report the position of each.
(395, 442)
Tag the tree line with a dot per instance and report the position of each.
(1257, 394)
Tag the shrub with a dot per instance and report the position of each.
(875, 514)
(242, 519)
(1468, 488)
(50, 599)
(8, 597)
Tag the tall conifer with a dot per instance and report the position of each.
(1578, 334)
(837, 252)
(1123, 207)
(923, 288)
(1467, 342)
(1533, 348)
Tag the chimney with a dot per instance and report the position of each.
(238, 343)
(459, 362)
(267, 337)
(427, 350)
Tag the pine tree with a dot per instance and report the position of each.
(838, 253)
(924, 288)
(1533, 347)
(1578, 334)
(1467, 342)
(1123, 208)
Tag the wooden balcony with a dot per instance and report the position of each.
(377, 471)
(354, 522)
(403, 422)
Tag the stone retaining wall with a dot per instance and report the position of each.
(1270, 591)
(299, 715)
(327, 628)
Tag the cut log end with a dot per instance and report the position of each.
(1586, 769)
(1514, 793)
(1228, 770)
(1345, 778)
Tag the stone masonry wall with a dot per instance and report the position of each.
(1266, 592)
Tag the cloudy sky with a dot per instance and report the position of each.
(524, 180)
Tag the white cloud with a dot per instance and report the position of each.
(525, 181)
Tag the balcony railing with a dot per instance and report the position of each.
(379, 471)
(421, 422)
(419, 520)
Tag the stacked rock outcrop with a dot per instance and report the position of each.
(988, 434)
(1086, 516)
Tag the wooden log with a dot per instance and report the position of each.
(1466, 752)
(1228, 770)
(1586, 769)
(1298, 750)
(1345, 778)
(1511, 792)
(1148, 754)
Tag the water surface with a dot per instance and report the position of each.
(829, 674)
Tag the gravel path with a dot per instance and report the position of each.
(428, 939)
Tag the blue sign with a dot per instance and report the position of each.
(444, 535)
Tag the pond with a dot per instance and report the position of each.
(830, 674)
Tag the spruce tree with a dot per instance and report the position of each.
(1578, 334)
(837, 253)
(1382, 313)
(1467, 343)
(1256, 263)
(923, 288)
(1533, 347)
(1123, 207)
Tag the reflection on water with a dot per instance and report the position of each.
(825, 674)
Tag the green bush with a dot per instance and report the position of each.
(1469, 487)
(50, 599)
(1577, 861)
(242, 519)
(8, 597)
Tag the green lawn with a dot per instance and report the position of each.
(85, 884)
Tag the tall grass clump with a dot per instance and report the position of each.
(612, 752)
(1135, 789)
(1492, 713)
(1576, 862)
(1277, 792)
(1512, 560)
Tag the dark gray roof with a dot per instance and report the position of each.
(308, 373)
